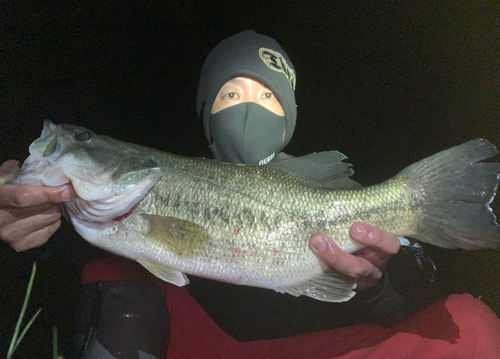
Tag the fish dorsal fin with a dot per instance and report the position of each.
(184, 238)
(164, 273)
(323, 169)
(329, 286)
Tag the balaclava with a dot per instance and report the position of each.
(247, 133)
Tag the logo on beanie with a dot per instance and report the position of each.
(275, 61)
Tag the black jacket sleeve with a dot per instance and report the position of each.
(408, 285)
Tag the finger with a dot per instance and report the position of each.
(375, 238)
(17, 230)
(376, 257)
(37, 238)
(343, 262)
(12, 196)
(9, 167)
(14, 214)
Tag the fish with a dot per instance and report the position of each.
(250, 225)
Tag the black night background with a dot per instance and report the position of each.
(385, 82)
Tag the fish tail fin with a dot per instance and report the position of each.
(453, 191)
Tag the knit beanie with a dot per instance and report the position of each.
(253, 55)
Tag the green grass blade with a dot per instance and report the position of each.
(16, 339)
(27, 327)
(55, 346)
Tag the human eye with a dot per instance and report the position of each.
(231, 96)
(269, 96)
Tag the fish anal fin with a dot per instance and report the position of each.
(164, 273)
(329, 286)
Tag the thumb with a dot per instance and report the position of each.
(26, 196)
(9, 167)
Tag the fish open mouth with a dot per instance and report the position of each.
(110, 182)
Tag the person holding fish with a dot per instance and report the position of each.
(247, 103)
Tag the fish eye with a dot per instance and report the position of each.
(83, 135)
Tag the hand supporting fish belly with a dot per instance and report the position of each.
(250, 225)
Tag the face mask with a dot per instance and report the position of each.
(246, 133)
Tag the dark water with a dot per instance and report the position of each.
(387, 83)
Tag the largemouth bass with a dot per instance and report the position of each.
(250, 225)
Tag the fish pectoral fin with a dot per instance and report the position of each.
(184, 238)
(329, 286)
(164, 273)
